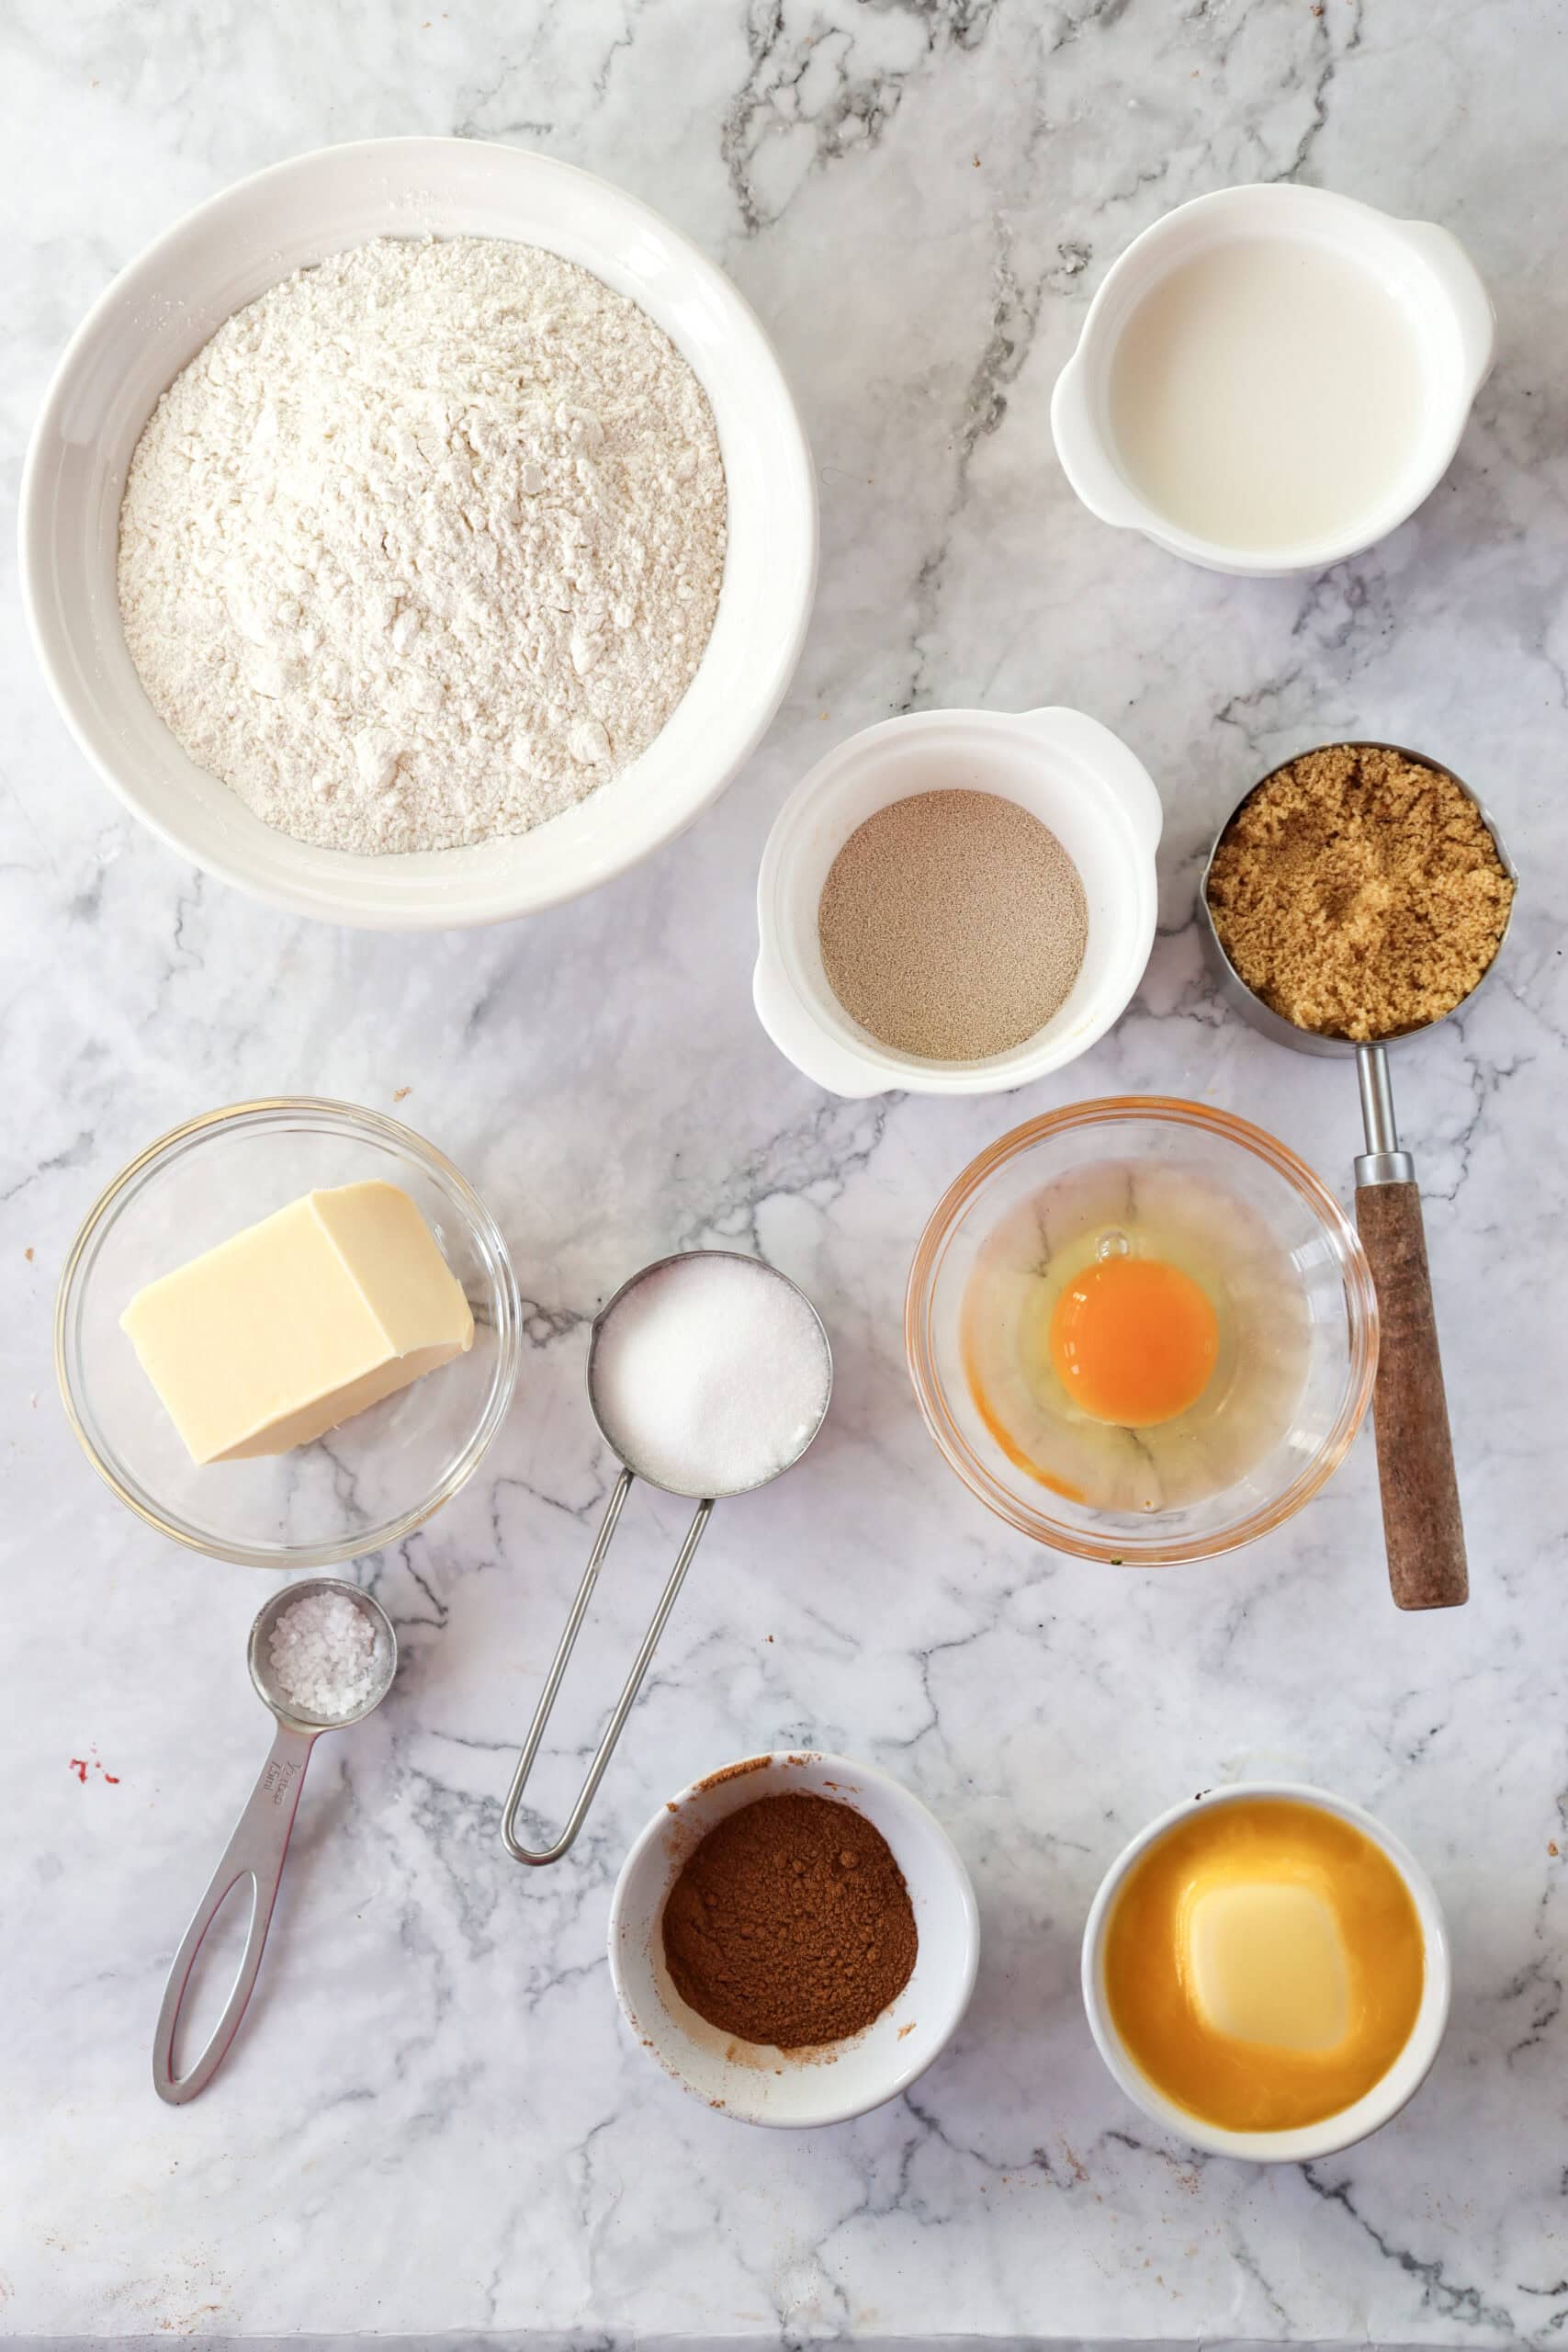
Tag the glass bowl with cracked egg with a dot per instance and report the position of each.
(1141, 1330)
(366, 1483)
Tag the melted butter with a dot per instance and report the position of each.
(1266, 1964)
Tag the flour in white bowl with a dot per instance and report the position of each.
(425, 544)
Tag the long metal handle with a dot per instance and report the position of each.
(254, 1851)
(1383, 1162)
(1423, 1524)
(578, 1814)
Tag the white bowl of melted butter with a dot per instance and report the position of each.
(1266, 1972)
(1271, 379)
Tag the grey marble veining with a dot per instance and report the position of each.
(433, 2121)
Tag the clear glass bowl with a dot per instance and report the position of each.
(364, 1485)
(1303, 1219)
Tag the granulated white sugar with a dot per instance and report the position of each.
(711, 1375)
(322, 1653)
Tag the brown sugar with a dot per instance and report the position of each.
(1358, 892)
(790, 1924)
(952, 925)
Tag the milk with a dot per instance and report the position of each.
(1267, 393)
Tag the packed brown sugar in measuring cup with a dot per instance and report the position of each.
(1360, 892)
(790, 1925)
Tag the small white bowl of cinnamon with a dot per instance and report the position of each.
(794, 1938)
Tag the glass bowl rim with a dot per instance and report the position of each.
(327, 1114)
(1362, 1321)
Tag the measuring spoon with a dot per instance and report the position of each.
(260, 1841)
(1423, 1526)
(632, 1469)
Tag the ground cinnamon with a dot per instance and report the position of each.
(790, 1924)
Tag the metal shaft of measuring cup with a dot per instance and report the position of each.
(255, 1851)
(624, 1704)
(1383, 1162)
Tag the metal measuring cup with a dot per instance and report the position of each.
(631, 1470)
(260, 1841)
(1423, 1527)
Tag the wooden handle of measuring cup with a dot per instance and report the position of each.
(1422, 1525)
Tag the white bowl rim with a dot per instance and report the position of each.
(1305, 555)
(966, 1922)
(1364, 2115)
(750, 719)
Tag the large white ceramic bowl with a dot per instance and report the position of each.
(764, 2086)
(157, 314)
(1385, 2099)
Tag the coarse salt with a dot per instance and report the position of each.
(711, 1375)
(324, 1656)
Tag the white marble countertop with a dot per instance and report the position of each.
(434, 2120)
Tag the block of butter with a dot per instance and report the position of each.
(299, 1322)
(1267, 1964)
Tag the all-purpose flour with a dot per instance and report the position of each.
(425, 544)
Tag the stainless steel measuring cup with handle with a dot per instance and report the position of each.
(1423, 1524)
(631, 1470)
(260, 1842)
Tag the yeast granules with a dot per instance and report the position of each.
(952, 925)
(790, 1924)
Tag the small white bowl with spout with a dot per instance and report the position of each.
(1078, 778)
(1432, 289)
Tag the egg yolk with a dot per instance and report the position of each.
(1133, 1341)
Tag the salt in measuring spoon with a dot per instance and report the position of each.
(677, 1275)
(260, 1841)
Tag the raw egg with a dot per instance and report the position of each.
(1133, 1341)
(1133, 1336)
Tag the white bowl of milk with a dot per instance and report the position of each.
(1271, 379)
